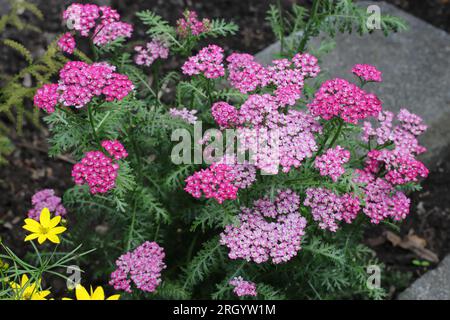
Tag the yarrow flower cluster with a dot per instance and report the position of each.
(115, 149)
(185, 114)
(367, 72)
(214, 182)
(244, 173)
(143, 266)
(245, 74)
(209, 62)
(340, 98)
(97, 170)
(46, 198)
(47, 97)
(80, 82)
(190, 25)
(150, 52)
(332, 161)
(270, 231)
(67, 43)
(103, 21)
(224, 114)
(243, 287)
(329, 208)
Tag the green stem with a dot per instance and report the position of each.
(280, 10)
(133, 221)
(91, 121)
(309, 26)
(338, 132)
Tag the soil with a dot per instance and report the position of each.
(30, 169)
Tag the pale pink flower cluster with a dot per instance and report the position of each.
(97, 170)
(150, 52)
(243, 287)
(400, 163)
(67, 43)
(274, 137)
(224, 114)
(185, 114)
(46, 199)
(383, 201)
(367, 72)
(244, 73)
(115, 149)
(190, 25)
(214, 182)
(142, 266)
(244, 173)
(103, 21)
(329, 208)
(270, 231)
(340, 98)
(332, 161)
(47, 97)
(209, 62)
(79, 82)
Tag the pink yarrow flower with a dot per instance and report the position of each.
(270, 231)
(115, 149)
(46, 198)
(67, 43)
(224, 114)
(185, 114)
(190, 25)
(47, 97)
(340, 98)
(142, 266)
(209, 62)
(367, 72)
(331, 163)
(150, 52)
(243, 287)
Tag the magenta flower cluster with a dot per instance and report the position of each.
(340, 98)
(80, 82)
(142, 266)
(332, 161)
(329, 208)
(367, 72)
(185, 114)
(115, 149)
(67, 43)
(243, 287)
(97, 170)
(214, 182)
(244, 73)
(209, 62)
(190, 25)
(46, 198)
(270, 231)
(103, 22)
(224, 114)
(152, 51)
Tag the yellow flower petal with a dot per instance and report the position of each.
(81, 293)
(31, 228)
(24, 280)
(114, 297)
(57, 230)
(44, 218)
(98, 294)
(53, 238)
(33, 224)
(54, 221)
(42, 238)
(31, 237)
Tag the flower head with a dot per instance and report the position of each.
(46, 229)
(46, 198)
(67, 43)
(28, 290)
(243, 287)
(367, 72)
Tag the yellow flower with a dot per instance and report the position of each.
(98, 294)
(45, 229)
(27, 290)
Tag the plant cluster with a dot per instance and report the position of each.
(287, 222)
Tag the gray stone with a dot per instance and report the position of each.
(416, 72)
(433, 285)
